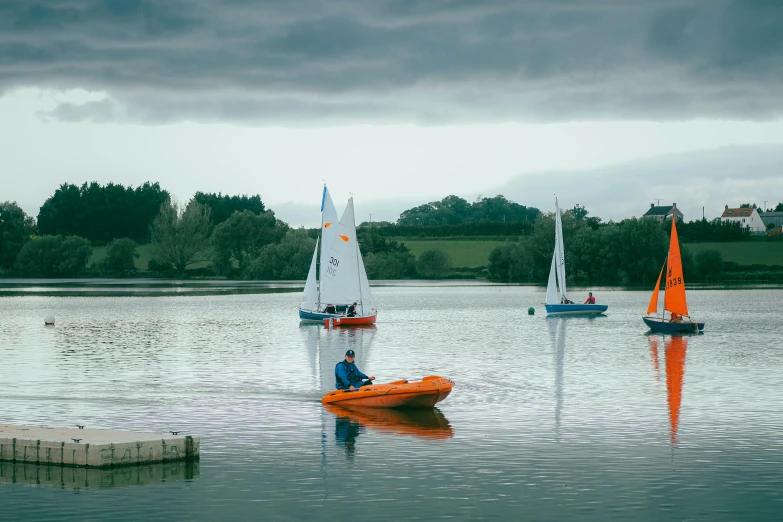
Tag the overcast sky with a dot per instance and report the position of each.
(399, 102)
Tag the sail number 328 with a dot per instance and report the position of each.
(674, 281)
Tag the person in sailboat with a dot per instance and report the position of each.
(351, 312)
(330, 309)
(590, 299)
(347, 376)
(675, 318)
(566, 300)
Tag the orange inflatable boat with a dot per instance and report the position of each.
(425, 393)
(426, 423)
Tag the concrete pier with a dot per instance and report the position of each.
(92, 448)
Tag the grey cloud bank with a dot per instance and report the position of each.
(307, 62)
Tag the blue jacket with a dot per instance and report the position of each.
(346, 375)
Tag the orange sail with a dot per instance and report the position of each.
(675, 370)
(674, 296)
(653, 306)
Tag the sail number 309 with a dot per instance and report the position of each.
(674, 281)
(332, 270)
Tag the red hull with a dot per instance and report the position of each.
(351, 321)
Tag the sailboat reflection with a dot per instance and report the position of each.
(424, 423)
(675, 351)
(675, 371)
(557, 333)
(325, 348)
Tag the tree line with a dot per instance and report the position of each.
(238, 237)
(453, 210)
(627, 252)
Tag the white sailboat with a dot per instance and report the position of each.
(342, 280)
(557, 303)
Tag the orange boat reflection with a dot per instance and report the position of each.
(675, 371)
(426, 423)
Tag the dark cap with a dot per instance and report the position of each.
(350, 353)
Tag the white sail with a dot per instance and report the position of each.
(310, 294)
(344, 276)
(339, 282)
(551, 287)
(328, 231)
(368, 304)
(559, 252)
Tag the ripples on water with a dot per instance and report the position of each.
(577, 419)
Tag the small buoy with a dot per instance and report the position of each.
(531, 311)
(49, 319)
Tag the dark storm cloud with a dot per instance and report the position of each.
(440, 61)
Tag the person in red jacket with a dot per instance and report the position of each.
(590, 299)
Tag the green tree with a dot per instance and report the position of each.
(102, 213)
(224, 206)
(778, 208)
(389, 265)
(54, 256)
(181, 237)
(453, 210)
(709, 263)
(579, 212)
(240, 238)
(288, 259)
(433, 263)
(16, 227)
(121, 255)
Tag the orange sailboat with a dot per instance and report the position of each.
(674, 295)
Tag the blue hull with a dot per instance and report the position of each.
(575, 309)
(657, 325)
(315, 317)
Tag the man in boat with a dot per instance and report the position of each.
(330, 309)
(590, 299)
(351, 312)
(675, 318)
(566, 300)
(348, 376)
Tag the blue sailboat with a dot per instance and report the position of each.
(557, 303)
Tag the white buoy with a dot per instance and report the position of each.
(49, 319)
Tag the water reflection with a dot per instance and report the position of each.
(675, 370)
(65, 477)
(325, 348)
(422, 423)
(557, 334)
(675, 350)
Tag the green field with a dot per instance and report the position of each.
(744, 252)
(464, 253)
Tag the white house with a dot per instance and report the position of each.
(748, 216)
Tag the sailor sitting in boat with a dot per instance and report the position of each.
(566, 300)
(675, 318)
(330, 309)
(351, 311)
(348, 376)
(590, 299)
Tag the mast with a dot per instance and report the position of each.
(560, 256)
(358, 270)
(319, 246)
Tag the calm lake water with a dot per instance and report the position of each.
(550, 419)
